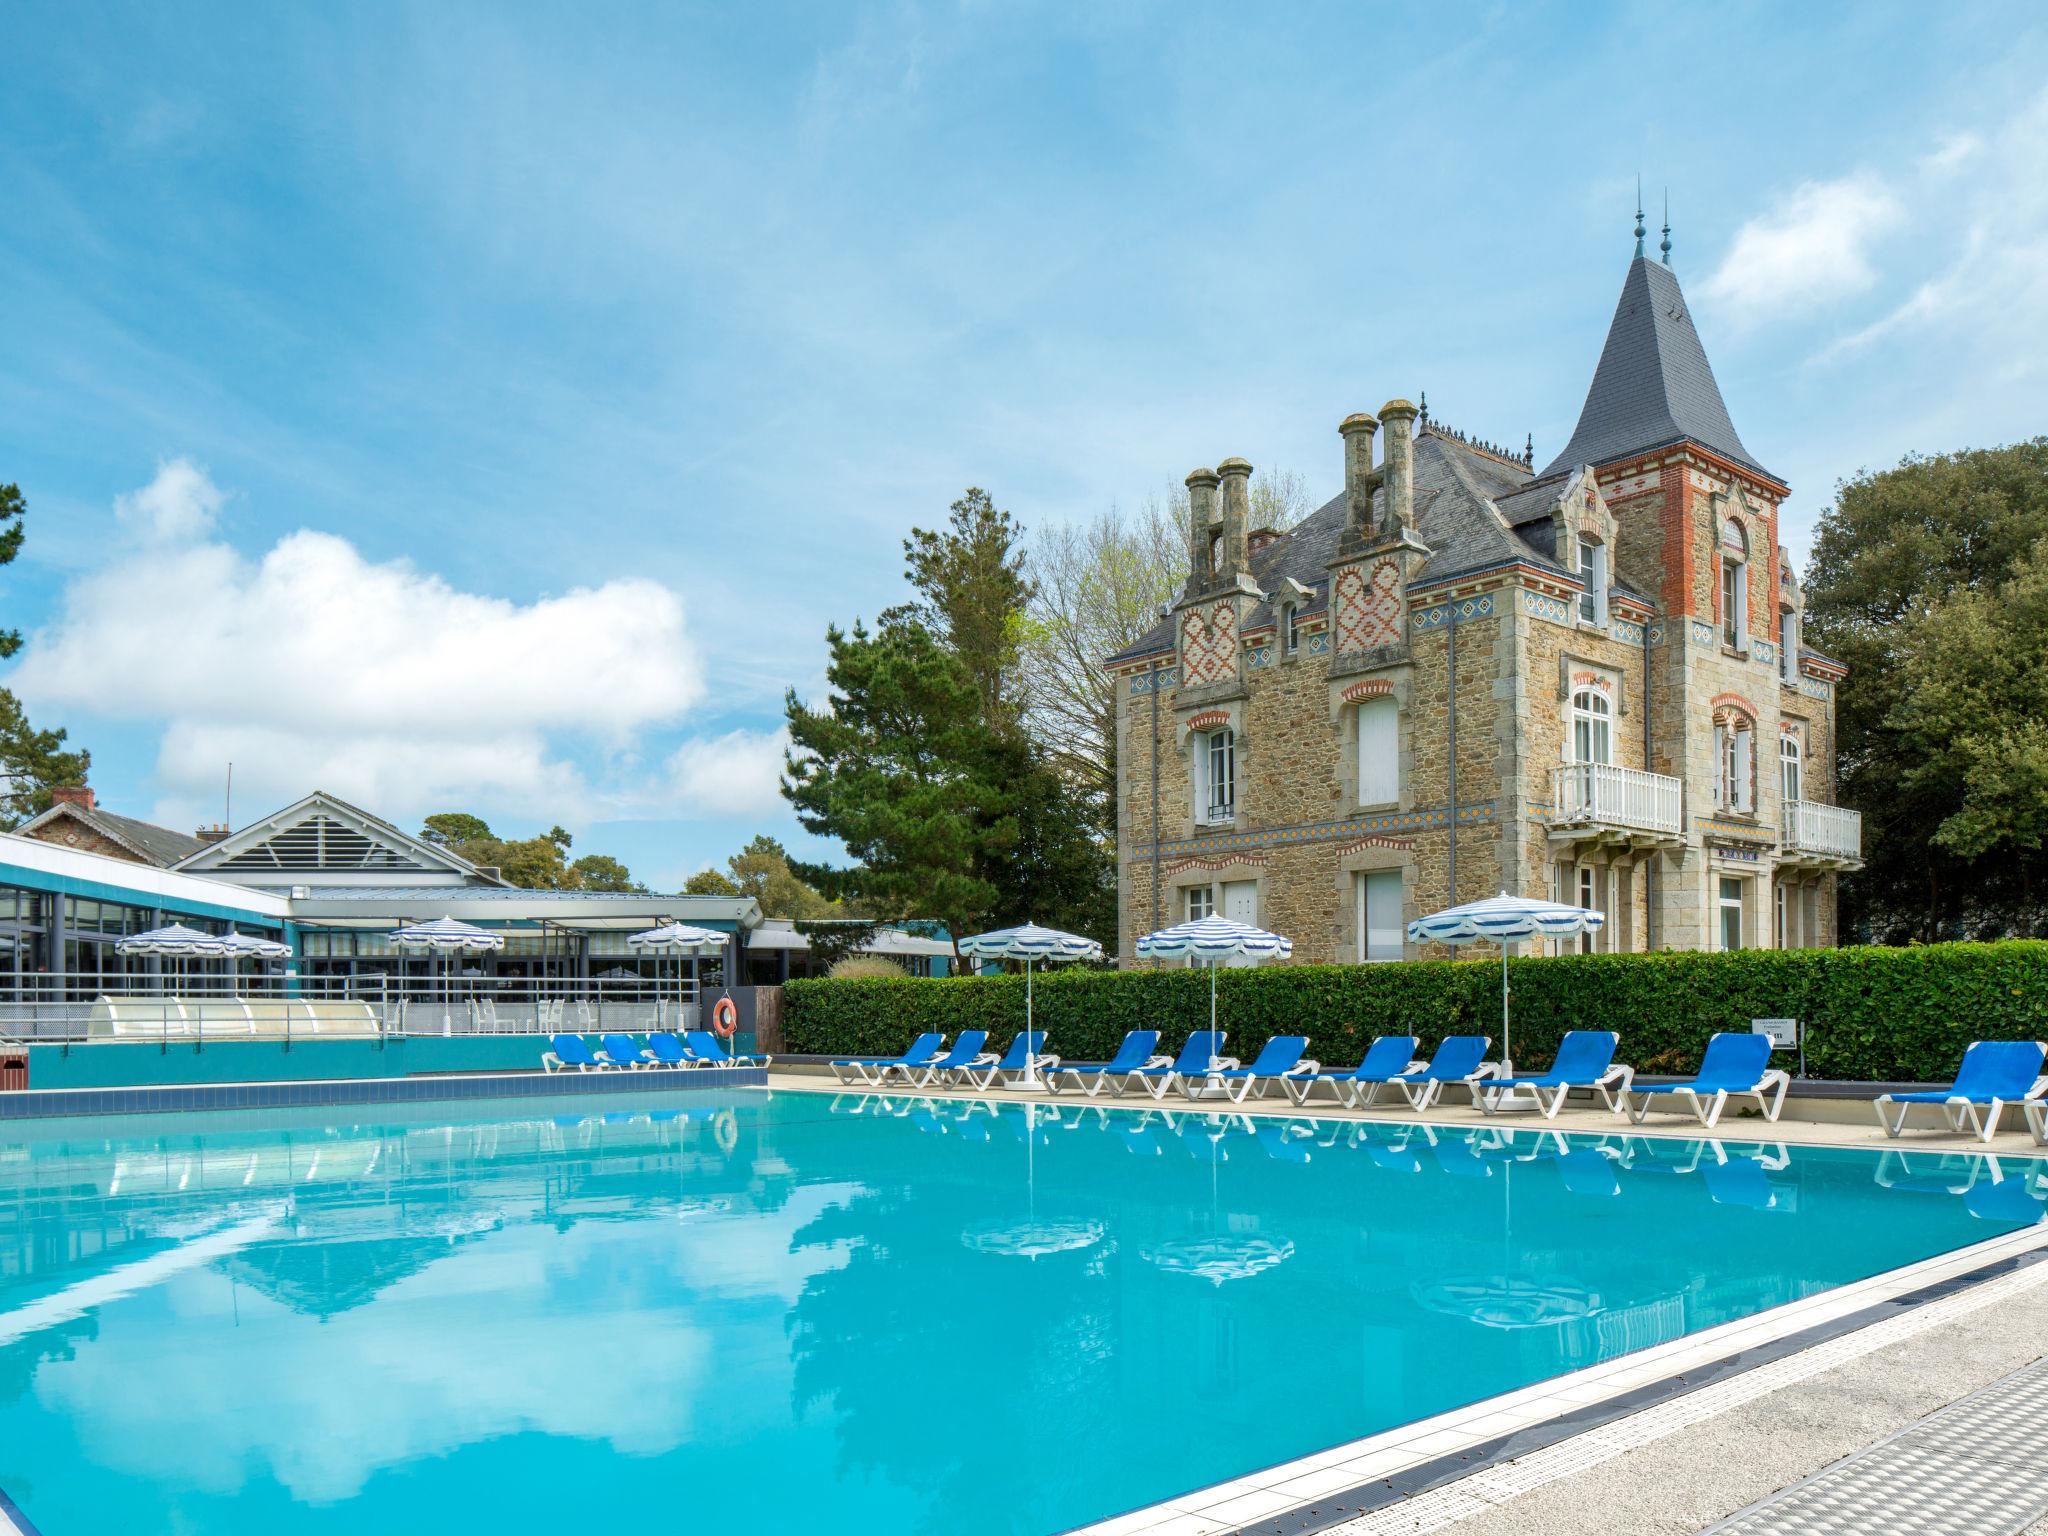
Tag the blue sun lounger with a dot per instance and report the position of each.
(1458, 1059)
(666, 1049)
(1279, 1059)
(1135, 1052)
(869, 1069)
(706, 1049)
(569, 1051)
(1734, 1064)
(1026, 1054)
(620, 1051)
(1196, 1057)
(1993, 1074)
(966, 1050)
(1585, 1059)
(1386, 1059)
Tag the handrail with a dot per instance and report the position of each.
(1609, 794)
(1808, 826)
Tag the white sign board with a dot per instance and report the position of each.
(1784, 1033)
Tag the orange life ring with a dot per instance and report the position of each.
(725, 1017)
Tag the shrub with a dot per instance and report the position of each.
(865, 968)
(1870, 1013)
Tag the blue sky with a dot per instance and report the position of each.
(458, 408)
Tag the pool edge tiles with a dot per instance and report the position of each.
(61, 1103)
(1483, 1431)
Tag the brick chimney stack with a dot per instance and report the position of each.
(79, 795)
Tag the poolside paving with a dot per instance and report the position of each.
(1811, 1123)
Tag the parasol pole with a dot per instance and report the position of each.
(1507, 1055)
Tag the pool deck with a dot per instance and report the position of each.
(1797, 1420)
(1808, 1122)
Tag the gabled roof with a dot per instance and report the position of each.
(1653, 385)
(150, 843)
(322, 835)
(1458, 492)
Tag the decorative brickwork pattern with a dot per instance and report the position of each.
(1208, 644)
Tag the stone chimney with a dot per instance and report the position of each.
(1236, 475)
(72, 794)
(1360, 479)
(1201, 485)
(1397, 473)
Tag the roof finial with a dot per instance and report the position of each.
(1529, 448)
(1667, 227)
(1640, 231)
(1424, 408)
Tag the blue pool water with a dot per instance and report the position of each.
(760, 1309)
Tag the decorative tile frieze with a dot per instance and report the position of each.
(1554, 609)
(1349, 829)
(1466, 608)
(1145, 682)
(1702, 633)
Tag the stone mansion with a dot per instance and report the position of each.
(1461, 676)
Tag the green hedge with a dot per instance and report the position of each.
(1871, 1013)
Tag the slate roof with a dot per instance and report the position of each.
(1458, 492)
(1653, 385)
(161, 845)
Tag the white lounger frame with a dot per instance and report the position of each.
(1980, 1119)
(1494, 1098)
(1237, 1089)
(1709, 1110)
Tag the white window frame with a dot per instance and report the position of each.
(1197, 902)
(1725, 904)
(1597, 723)
(1213, 750)
(1734, 602)
(1784, 931)
(1290, 629)
(1593, 577)
(1368, 709)
(1591, 894)
(1735, 764)
(1362, 901)
(1788, 645)
(1791, 766)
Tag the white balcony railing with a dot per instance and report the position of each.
(1601, 794)
(1829, 830)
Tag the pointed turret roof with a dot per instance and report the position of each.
(1654, 385)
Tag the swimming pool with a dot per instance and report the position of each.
(896, 1315)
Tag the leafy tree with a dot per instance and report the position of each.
(601, 872)
(709, 882)
(449, 828)
(969, 577)
(763, 871)
(32, 762)
(533, 863)
(1909, 570)
(901, 768)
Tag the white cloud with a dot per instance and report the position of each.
(180, 503)
(1813, 245)
(737, 774)
(313, 666)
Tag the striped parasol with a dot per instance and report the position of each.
(1503, 919)
(1030, 943)
(1212, 940)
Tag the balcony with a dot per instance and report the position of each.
(1817, 836)
(1600, 803)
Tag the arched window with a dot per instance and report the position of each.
(1592, 732)
(1290, 628)
(1734, 585)
(1790, 754)
(1734, 761)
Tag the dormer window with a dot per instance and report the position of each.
(1734, 586)
(1290, 628)
(1593, 578)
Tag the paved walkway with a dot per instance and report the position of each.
(1978, 1467)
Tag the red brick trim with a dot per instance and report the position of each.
(1404, 844)
(1209, 719)
(1372, 687)
(1213, 864)
(1722, 700)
